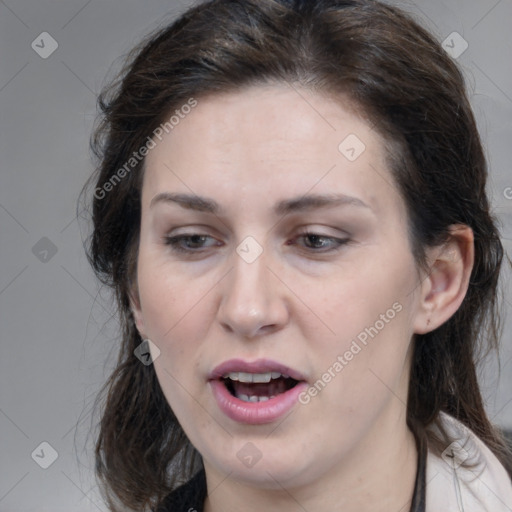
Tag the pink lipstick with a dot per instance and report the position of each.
(255, 392)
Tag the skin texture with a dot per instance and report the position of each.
(349, 447)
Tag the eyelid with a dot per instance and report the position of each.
(173, 241)
(338, 242)
(319, 230)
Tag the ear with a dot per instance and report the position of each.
(444, 287)
(137, 311)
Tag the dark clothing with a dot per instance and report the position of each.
(188, 497)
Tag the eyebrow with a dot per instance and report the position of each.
(284, 207)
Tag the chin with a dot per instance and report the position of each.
(271, 470)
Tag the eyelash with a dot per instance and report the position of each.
(175, 241)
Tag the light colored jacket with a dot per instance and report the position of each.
(467, 477)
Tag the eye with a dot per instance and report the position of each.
(319, 243)
(196, 242)
(189, 242)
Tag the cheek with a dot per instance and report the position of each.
(362, 292)
(369, 313)
(168, 297)
(177, 314)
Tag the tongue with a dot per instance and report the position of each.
(272, 388)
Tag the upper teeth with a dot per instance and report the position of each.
(254, 377)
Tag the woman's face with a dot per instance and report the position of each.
(274, 242)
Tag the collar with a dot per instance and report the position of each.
(467, 476)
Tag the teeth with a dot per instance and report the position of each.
(253, 398)
(254, 377)
(245, 377)
(261, 377)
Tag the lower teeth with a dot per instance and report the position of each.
(253, 398)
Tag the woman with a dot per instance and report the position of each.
(290, 207)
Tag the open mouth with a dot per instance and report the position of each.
(256, 392)
(257, 387)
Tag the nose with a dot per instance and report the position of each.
(253, 300)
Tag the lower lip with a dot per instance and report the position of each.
(255, 413)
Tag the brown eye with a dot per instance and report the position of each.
(320, 243)
(189, 243)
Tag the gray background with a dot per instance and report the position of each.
(58, 330)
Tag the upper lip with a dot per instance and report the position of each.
(257, 366)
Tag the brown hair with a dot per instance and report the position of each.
(401, 79)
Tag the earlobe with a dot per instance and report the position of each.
(446, 284)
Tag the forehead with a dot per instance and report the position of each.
(270, 140)
(281, 116)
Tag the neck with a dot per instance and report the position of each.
(378, 475)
